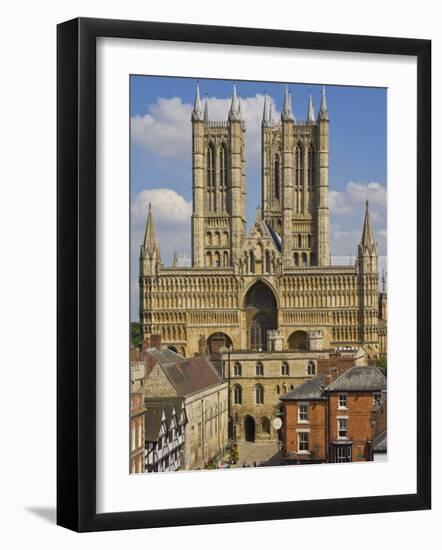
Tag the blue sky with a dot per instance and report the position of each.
(161, 155)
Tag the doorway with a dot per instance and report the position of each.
(249, 428)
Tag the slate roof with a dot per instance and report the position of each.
(188, 376)
(154, 413)
(275, 237)
(380, 442)
(311, 389)
(360, 379)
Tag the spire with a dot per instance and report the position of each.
(206, 109)
(235, 109)
(150, 243)
(264, 111)
(367, 233)
(287, 113)
(197, 113)
(323, 112)
(175, 259)
(310, 111)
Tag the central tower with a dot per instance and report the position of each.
(295, 182)
(218, 183)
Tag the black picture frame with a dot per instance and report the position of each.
(76, 274)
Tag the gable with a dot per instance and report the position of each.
(158, 384)
(259, 239)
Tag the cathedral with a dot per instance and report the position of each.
(272, 288)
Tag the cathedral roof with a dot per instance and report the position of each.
(262, 231)
(275, 237)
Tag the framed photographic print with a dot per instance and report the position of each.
(243, 274)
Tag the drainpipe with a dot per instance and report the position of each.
(327, 427)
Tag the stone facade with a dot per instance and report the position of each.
(276, 277)
(257, 382)
(206, 431)
(205, 399)
(136, 432)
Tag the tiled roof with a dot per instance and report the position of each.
(380, 442)
(360, 379)
(311, 389)
(187, 376)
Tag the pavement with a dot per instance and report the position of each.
(263, 453)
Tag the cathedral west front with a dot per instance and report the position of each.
(243, 286)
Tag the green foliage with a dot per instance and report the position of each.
(382, 362)
(135, 334)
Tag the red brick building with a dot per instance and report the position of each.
(333, 421)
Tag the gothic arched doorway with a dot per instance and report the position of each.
(249, 428)
(260, 306)
(298, 340)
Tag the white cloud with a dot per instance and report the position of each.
(355, 195)
(344, 242)
(168, 207)
(166, 127)
(172, 218)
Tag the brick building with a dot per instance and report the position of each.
(333, 421)
(136, 433)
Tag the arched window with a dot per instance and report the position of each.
(309, 241)
(277, 177)
(292, 387)
(299, 241)
(299, 177)
(217, 261)
(225, 258)
(267, 264)
(299, 159)
(209, 239)
(296, 258)
(284, 389)
(210, 166)
(304, 259)
(223, 175)
(217, 239)
(278, 389)
(252, 262)
(265, 425)
(259, 369)
(237, 369)
(285, 368)
(311, 368)
(259, 395)
(208, 259)
(310, 167)
(226, 238)
(237, 394)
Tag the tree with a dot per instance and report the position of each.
(135, 334)
(382, 362)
